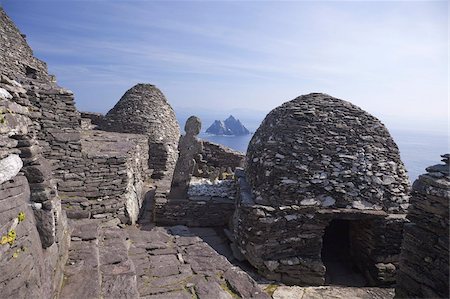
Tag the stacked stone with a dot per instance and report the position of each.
(114, 185)
(96, 120)
(217, 160)
(143, 109)
(56, 123)
(33, 229)
(16, 57)
(207, 204)
(60, 128)
(424, 265)
(376, 247)
(36, 168)
(317, 150)
(312, 160)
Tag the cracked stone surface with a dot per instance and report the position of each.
(151, 262)
(331, 292)
(106, 261)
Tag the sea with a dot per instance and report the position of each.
(417, 150)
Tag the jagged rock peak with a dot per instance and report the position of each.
(231, 126)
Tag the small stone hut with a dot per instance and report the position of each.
(424, 262)
(143, 109)
(324, 193)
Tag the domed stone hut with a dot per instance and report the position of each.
(324, 193)
(143, 109)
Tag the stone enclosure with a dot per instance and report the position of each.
(320, 198)
(321, 172)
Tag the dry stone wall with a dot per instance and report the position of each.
(424, 264)
(55, 118)
(143, 109)
(33, 227)
(59, 129)
(17, 58)
(313, 160)
(218, 160)
(115, 177)
(317, 150)
(58, 159)
(207, 204)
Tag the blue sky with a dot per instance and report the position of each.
(390, 58)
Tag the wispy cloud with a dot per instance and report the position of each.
(385, 56)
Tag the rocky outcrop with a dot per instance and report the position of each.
(424, 264)
(143, 109)
(230, 126)
(317, 163)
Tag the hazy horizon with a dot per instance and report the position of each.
(390, 58)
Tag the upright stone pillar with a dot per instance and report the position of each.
(189, 147)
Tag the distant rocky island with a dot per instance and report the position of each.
(230, 126)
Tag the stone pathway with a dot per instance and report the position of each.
(106, 261)
(150, 262)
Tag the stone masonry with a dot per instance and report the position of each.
(115, 177)
(217, 161)
(316, 161)
(424, 264)
(209, 198)
(33, 229)
(322, 200)
(143, 109)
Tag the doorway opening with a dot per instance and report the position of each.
(337, 255)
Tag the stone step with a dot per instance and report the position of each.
(98, 264)
(118, 274)
(82, 273)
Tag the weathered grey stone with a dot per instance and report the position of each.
(5, 94)
(423, 270)
(9, 167)
(189, 148)
(143, 109)
(318, 160)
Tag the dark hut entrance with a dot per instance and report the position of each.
(337, 255)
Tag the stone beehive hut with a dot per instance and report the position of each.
(143, 109)
(424, 263)
(324, 186)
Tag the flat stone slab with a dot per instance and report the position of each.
(183, 265)
(332, 292)
(176, 262)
